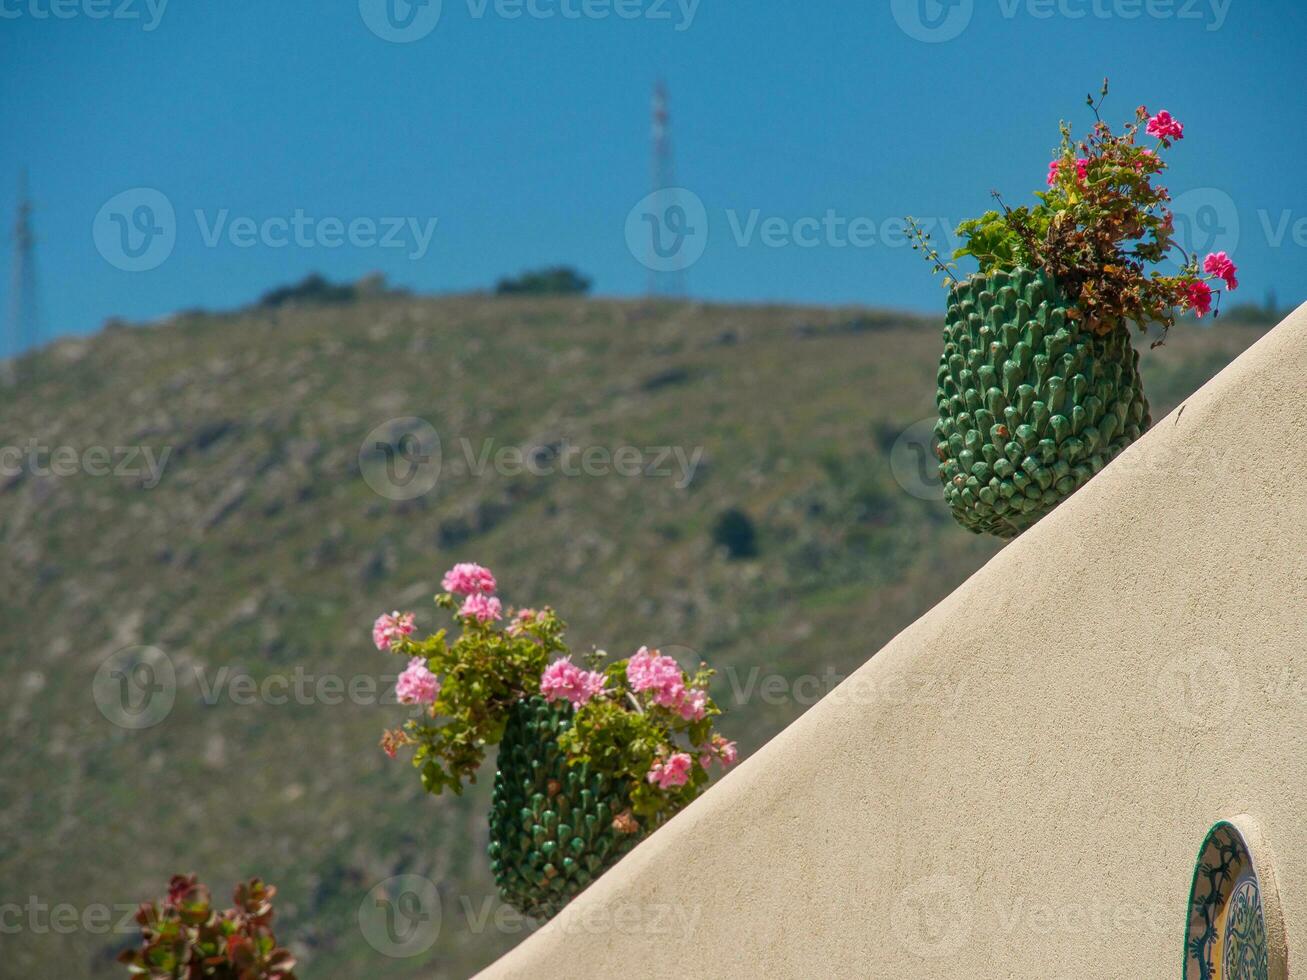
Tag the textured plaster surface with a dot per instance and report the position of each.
(1131, 669)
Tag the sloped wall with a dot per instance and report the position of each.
(1130, 670)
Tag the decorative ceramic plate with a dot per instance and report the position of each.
(1235, 930)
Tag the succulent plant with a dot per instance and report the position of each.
(554, 827)
(1031, 404)
(184, 936)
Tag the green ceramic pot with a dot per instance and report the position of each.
(1031, 405)
(552, 826)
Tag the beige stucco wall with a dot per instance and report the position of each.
(1130, 670)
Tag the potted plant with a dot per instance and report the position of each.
(593, 756)
(184, 936)
(1039, 385)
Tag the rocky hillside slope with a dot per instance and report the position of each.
(211, 487)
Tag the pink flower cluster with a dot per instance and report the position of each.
(417, 685)
(521, 620)
(477, 584)
(1055, 166)
(467, 578)
(1165, 127)
(1199, 297)
(482, 608)
(721, 749)
(563, 680)
(653, 672)
(670, 772)
(662, 675)
(1199, 294)
(390, 628)
(1219, 265)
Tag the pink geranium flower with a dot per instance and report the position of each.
(1165, 127)
(672, 772)
(693, 704)
(653, 672)
(417, 685)
(390, 628)
(521, 620)
(1200, 298)
(662, 677)
(467, 578)
(727, 750)
(1055, 166)
(482, 608)
(563, 680)
(1219, 265)
(722, 750)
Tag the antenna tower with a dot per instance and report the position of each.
(664, 176)
(24, 314)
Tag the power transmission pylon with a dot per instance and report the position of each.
(664, 176)
(24, 325)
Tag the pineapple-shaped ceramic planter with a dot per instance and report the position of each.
(1031, 405)
(554, 828)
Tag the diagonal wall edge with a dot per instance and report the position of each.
(1124, 674)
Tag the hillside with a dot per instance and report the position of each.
(262, 551)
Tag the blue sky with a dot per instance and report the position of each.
(521, 128)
